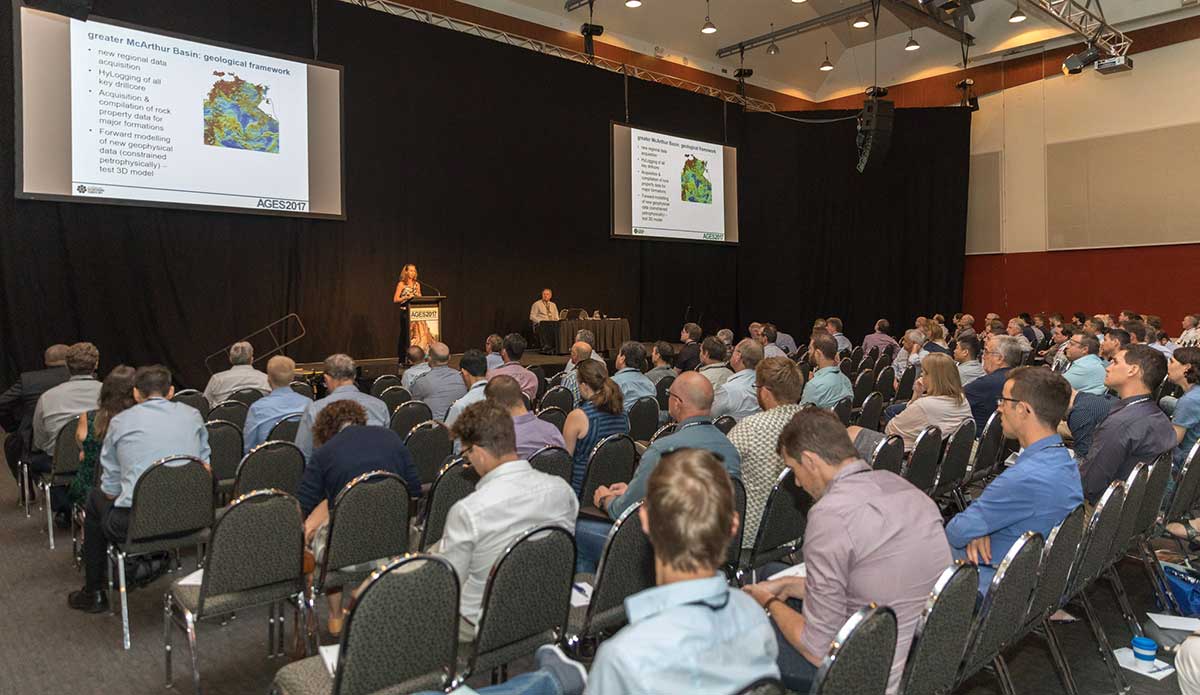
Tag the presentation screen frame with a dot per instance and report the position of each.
(18, 105)
(731, 212)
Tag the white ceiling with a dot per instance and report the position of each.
(671, 30)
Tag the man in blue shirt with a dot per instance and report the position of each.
(282, 402)
(1086, 372)
(738, 396)
(154, 428)
(828, 384)
(493, 346)
(417, 366)
(339, 377)
(1034, 494)
(834, 326)
(441, 385)
(690, 404)
(1001, 354)
(629, 377)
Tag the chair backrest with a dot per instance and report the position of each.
(1157, 480)
(1062, 547)
(856, 354)
(1002, 614)
(612, 461)
(454, 482)
(368, 521)
(626, 567)
(271, 465)
(527, 598)
(559, 397)
(382, 383)
(867, 362)
(1097, 539)
(402, 630)
(665, 430)
(922, 467)
(230, 411)
(905, 389)
(843, 410)
(429, 443)
(257, 542)
(889, 455)
(173, 497)
(303, 388)
(408, 415)
(885, 360)
(643, 418)
(1187, 487)
(941, 634)
(952, 471)
(225, 441)
(1131, 509)
(394, 396)
(662, 390)
(860, 658)
(885, 383)
(537, 371)
(725, 423)
(785, 514)
(864, 384)
(285, 430)
(847, 367)
(553, 460)
(764, 686)
(193, 398)
(872, 411)
(733, 554)
(987, 454)
(66, 450)
(554, 415)
(246, 396)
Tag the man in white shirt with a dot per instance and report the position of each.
(1191, 331)
(240, 375)
(834, 325)
(473, 368)
(509, 499)
(769, 335)
(583, 335)
(61, 406)
(738, 396)
(543, 309)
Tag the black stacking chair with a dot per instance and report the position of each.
(664, 431)
(734, 554)
(1153, 503)
(885, 383)
(246, 396)
(864, 384)
(430, 445)
(193, 398)
(847, 367)
(553, 460)
(952, 471)
(408, 415)
(725, 423)
(395, 396)
(225, 444)
(781, 529)
(856, 355)
(383, 383)
(229, 411)
(612, 461)
(554, 415)
(987, 454)
(303, 388)
(540, 373)
(1127, 535)
(842, 410)
(643, 419)
(941, 635)
(285, 430)
(454, 482)
(922, 467)
(889, 455)
(662, 388)
(63, 465)
(558, 397)
(904, 390)
(871, 411)
(860, 658)
(272, 465)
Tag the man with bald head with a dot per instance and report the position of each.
(580, 352)
(282, 402)
(441, 385)
(690, 405)
(19, 401)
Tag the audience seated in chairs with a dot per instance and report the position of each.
(1114, 341)
(492, 348)
(152, 429)
(937, 400)
(600, 414)
(712, 361)
(339, 377)
(416, 366)
(282, 402)
(472, 367)
(966, 356)
(828, 384)
(1085, 412)
(1001, 354)
(670, 646)
(738, 396)
(116, 395)
(779, 385)
(662, 359)
(19, 401)
(1135, 430)
(580, 352)
(879, 338)
(690, 406)
(907, 355)
(935, 342)
(629, 378)
(57, 407)
(770, 337)
(689, 355)
(347, 448)
(440, 386)
(1085, 370)
(583, 335)
(834, 327)
(964, 325)
(725, 336)
(1035, 493)
(532, 432)
(514, 348)
(871, 537)
(509, 499)
(240, 375)
(1184, 371)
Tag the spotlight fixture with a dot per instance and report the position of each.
(590, 31)
(825, 65)
(912, 44)
(861, 22)
(1017, 16)
(969, 99)
(709, 27)
(633, 3)
(1076, 62)
(772, 48)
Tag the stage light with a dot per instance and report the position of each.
(1075, 63)
(633, 3)
(709, 27)
(772, 48)
(861, 22)
(825, 65)
(1017, 16)
(590, 31)
(912, 44)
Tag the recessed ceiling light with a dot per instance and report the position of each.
(861, 22)
(798, 1)
(633, 3)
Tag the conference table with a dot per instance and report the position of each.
(559, 335)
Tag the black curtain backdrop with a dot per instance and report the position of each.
(488, 166)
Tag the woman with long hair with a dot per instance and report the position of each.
(407, 288)
(937, 400)
(600, 414)
(116, 395)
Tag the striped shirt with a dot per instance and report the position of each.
(600, 425)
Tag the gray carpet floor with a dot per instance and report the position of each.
(46, 647)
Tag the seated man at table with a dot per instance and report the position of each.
(543, 309)
(690, 406)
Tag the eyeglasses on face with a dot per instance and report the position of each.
(1000, 401)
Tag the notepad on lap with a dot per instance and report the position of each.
(793, 571)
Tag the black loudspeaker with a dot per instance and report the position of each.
(78, 9)
(875, 132)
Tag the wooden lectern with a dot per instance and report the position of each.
(425, 320)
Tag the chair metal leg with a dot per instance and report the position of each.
(25, 485)
(122, 589)
(1060, 659)
(1002, 675)
(112, 604)
(1102, 644)
(49, 514)
(1158, 578)
(167, 636)
(1118, 587)
(271, 630)
(191, 634)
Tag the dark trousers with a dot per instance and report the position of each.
(796, 672)
(12, 453)
(104, 523)
(403, 342)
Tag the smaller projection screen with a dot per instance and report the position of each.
(111, 113)
(670, 187)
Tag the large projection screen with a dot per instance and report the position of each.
(107, 112)
(674, 188)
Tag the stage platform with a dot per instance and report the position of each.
(378, 366)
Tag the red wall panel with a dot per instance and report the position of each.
(1159, 280)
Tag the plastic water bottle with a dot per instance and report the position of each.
(1144, 652)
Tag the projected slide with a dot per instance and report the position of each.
(157, 118)
(678, 187)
